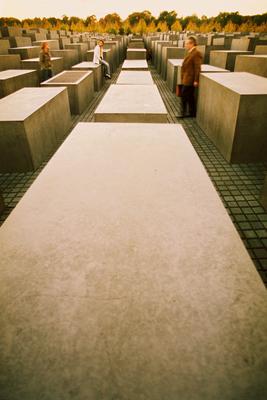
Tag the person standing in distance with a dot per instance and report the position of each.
(45, 62)
(98, 58)
(190, 71)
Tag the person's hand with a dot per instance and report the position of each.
(195, 84)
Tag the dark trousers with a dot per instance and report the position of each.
(188, 97)
(46, 74)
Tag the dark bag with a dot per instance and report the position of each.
(178, 90)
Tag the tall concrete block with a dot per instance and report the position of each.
(81, 49)
(26, 52)
(32, 123)
(70, 57)
(14, 79)
(170, 53)
(113, 267)
(4, 46)
(131, 103)
(261, 49)
(8, 61)
(232, 112)
(225, 58)
(53, 44)
(80, 87)
(63, 41)
(34, 63)
(255, 64)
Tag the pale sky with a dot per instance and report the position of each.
(82, 8)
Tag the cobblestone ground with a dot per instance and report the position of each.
(238, 185)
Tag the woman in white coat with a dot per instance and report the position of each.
(99, 59)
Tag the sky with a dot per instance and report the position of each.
(82, 8)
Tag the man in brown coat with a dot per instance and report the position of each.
(190, 77)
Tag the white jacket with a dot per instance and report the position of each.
(97, 53)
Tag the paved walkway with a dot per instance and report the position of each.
(239, 185)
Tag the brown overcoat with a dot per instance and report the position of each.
(191, 67)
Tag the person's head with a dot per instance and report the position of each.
(101, 43)
(190, 43)
(45, 47)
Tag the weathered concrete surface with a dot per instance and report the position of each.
(12, 80)
(8, 61)
(19, 41)
(172, 69)
(232, 112)
(4, 46)
(255, 64)
(261, 49)
(225, 58)
(34, 63)
(264, 194)
(136, 54)
(32, 121)
(135, 65)
(53, 44)
(97, 71)
(205, 68)
(128, 286)
(70, 57)
(135, 78)
(80, 85)
(63, 41)
(26, 52)
(131, 103)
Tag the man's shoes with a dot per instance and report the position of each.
(108, 76)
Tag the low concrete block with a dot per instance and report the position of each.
(34, 63)
(255, 64)
(136, 54)
(172, 70)
(114, 249)
(80, 87)
(70, 57)
(12, 80)
(53, 44)
(81, 49)
(33, 121)
(135, 65)
(225, 58)
(97, 71)
(135, 78)
(131, 103)
(136, 44)
(232, 112)
(264, 194)
(9, 61)
(261, 49)
(26, 52)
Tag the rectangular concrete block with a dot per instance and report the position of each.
(113, 266)
(225, 58)
(80, 87)
(170, 53)
(34, 63)
(19, 41)
(26, 52)
(135, 65)
(11, 31)
(33, 121)
(131, 103)
(8, 61)
(261, 49)
(63, 41)
(70, 57)
(232, 112)
(135, 78)
(81, 49)
(95, 68)
(53, 44)
(4, 46)
(264, 194)
(172, 70)
(136, 54)
(254, 64)
(12, 80)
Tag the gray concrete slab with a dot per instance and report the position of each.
(128, 282)
(32, 122)
(97, 71)
(12, 80)
(261, 49)
(70, 57)
(170, 53)
(264, 194)
(26, 52)
(4, 46)
(135, 78)
(255, 64)
(53, 44)
(172, 70)
(81, 49)
(225, 58)
(63, 41)
(19, 41)
(80, 85)
(136, 54)
(9, 61)
(34, 63)
(135, 65)
(131, 103)
(232, 112)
